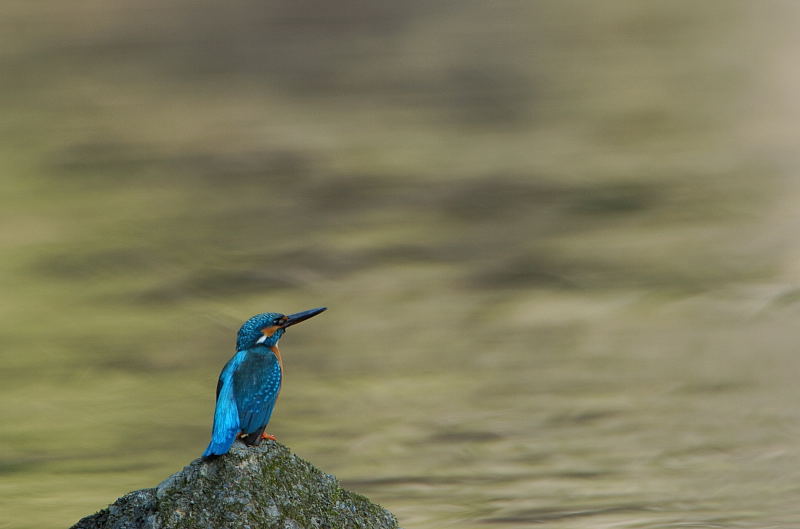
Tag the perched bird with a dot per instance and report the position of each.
(250, 382)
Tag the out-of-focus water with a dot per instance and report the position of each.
(557, 240)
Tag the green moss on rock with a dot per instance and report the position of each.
(248, 488)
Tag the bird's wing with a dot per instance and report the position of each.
(256, 383)
(219, 382)
(226, 415)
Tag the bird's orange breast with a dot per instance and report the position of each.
(274, 349)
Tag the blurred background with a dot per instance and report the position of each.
(557, 240)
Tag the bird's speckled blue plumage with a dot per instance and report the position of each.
(250, 382)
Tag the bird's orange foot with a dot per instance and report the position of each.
(271, 437)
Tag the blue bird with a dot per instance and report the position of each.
(250, 382)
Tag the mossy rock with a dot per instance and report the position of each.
(248, 488)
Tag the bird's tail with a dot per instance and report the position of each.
(226, 424)
(218, 447)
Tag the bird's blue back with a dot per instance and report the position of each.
(256, 384)
(246, 393)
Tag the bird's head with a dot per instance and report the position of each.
(267, 328)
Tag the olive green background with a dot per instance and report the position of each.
(557, 240)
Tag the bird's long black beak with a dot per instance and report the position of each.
(291, 319)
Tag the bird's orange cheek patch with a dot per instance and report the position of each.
(269, 331)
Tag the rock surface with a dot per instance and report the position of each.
(248, 488)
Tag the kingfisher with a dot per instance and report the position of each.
(249, 384)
